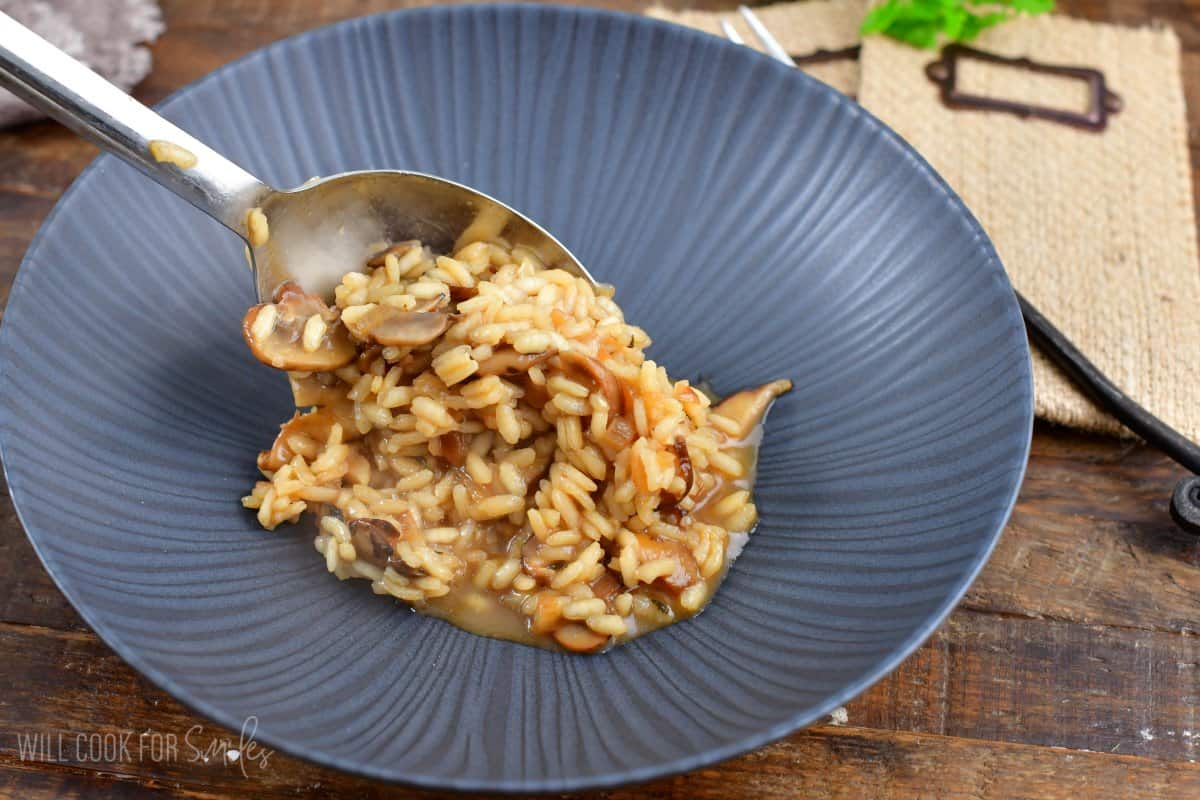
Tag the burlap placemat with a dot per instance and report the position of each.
(1096, 229)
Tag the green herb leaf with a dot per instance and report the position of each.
(955, 19)
(1033, 6)
(918, 33)
(925, 23)
(880, 18)
(977, 23)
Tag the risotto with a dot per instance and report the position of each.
(482, 437)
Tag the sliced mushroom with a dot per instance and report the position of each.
(315, 389)
(538, 568)
(670, 513)
(374, 540)
(368, 354)
(507, 361)
(619, 435)
(600, 376)
(275, 333)
(413, 329)
(683, 465)
(688, 571)
(391, 327)
(279, 454)
(536, 395)
(315, 424)
(579, 638)
(606, 586)
(454, 447)
(460, 293)
(669, 508)
(748, 407)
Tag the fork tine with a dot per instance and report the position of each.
(769, 42)
(731, 32)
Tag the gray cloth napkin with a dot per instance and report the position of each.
(107, 35)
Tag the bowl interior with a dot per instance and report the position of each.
(757, 224)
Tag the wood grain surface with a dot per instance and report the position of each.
(1070, 670)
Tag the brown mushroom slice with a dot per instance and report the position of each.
(619, 435)
(413, 329)
(688, 571)
(538, 568)
(460, 293)
(507, 361)
(275, 333)
(748, 407)
(368, 355)
(315, 389)
(454, 447)
(536, 395)
(606, 586)
(600, 376)
(273, 459)
(683, 466)
(374, 540)
(316, 425)
(391, 327)
(579, 638)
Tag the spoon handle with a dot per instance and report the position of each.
(1185, 501)
(52, 81)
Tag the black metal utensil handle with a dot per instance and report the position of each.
(1185, 500)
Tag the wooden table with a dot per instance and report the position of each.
(1071, 669)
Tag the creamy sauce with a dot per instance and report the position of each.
(498, 615)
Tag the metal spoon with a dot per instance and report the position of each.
(315, 232)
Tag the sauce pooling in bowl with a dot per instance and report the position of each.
(499, 615)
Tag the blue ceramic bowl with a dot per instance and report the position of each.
(757, 224)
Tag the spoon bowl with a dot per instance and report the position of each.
(330, 226)
(312, 234)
